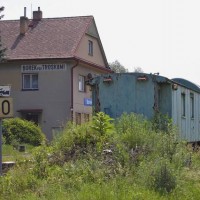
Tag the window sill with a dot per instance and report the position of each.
(30, 89)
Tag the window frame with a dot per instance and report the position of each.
(90, 48)
(86, 117)
(183, 104)
(78, 118)
(81, 83)
(31, 88)
(192, 105)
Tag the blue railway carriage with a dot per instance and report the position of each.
(148, 94)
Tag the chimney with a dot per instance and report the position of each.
(24, 22)
(37, 15)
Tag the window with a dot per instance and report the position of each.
(192, 105)
(81, 83)
(31, 116)
(78, 118)
(30, 81)
(183, 104)
(86, 117)
(90, 48)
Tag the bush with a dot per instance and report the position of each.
(134, 130)
(16, 130)
(164, 177)
(41, 164)
(101, 123)
(92, 137)
(159, 175)
(104, 160)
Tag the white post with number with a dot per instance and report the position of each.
(1, 147)
(6, 107)
(6, 111)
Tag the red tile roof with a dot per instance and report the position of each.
(48, 38)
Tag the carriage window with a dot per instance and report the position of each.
(192, 105)
(183, 104)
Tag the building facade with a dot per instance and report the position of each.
(47, 63)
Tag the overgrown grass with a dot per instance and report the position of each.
(105, 159)
(9, 153)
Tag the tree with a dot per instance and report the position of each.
(2, 49)
(117, 67)
(138, 69)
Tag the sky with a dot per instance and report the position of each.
(156, 35)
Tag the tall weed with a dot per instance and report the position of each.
(126, 159)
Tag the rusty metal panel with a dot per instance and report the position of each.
(125, 94)
(132, 92)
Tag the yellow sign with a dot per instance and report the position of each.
(6, 107)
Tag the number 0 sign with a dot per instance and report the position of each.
(6, 107)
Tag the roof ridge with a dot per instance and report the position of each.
(82, 16)
(8, 20)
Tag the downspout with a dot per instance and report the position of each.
(72, 91)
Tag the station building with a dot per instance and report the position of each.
(48, 61)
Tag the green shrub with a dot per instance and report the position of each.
(161, 122)
(75, 138)
(17, 180)
(135, 132)
(41, 158)
(164, 177)
(159, 175)
(101, 123)
(79, 140)
(98, 160)
(16, 130)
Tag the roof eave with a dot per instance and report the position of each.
(99, 67)
(75, 58)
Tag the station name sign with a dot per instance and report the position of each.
(43, 67)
